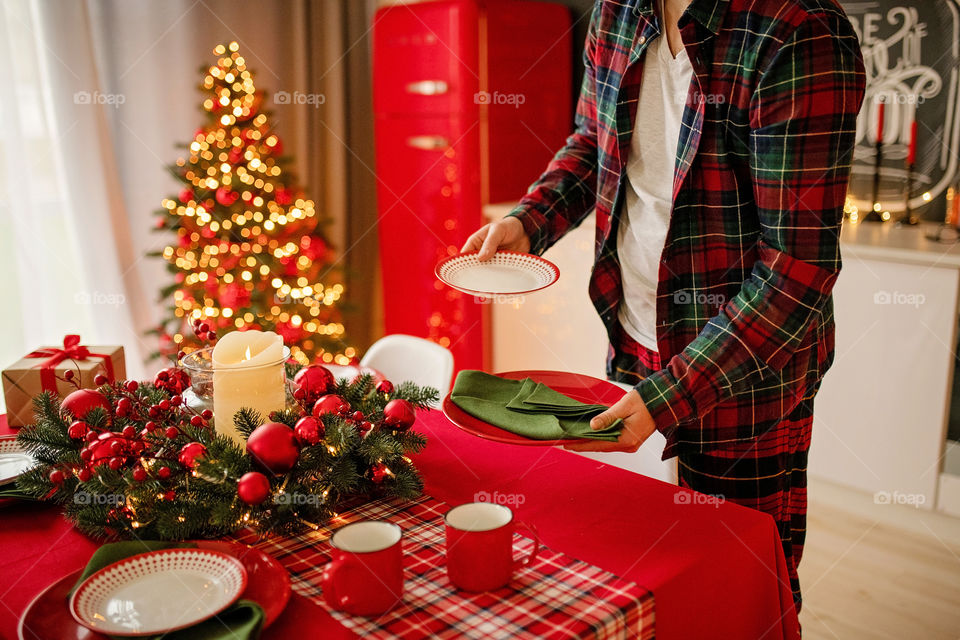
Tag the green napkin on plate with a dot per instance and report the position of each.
(11, 491)
(240, 621)
(528, 408)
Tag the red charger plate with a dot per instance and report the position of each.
(579, 387)
(47, 617)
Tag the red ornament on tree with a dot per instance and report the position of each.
(253, 488)
(308, 430)
(226, 196)
(173, 380)
(399, 414)
(274, 447)
(189, 454)
(83, 401)
(385, 386)
(315, 380)
(330, 404)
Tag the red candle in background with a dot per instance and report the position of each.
(880, 113)
(912, 151)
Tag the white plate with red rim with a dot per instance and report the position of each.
(507, 273)
(14, 461)
(158, 592)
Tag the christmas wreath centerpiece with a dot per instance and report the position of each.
(131, 459)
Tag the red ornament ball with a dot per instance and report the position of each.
(226, 196)
(172, 380)
(139, 474)
(77, 430)
(385, 386)
(253, 487)
(57, 477)
(83, 401)
(83, 475)
(274, 447)
(164, 472)
(100, 379)
(189, 454)
(399, 414)
(308, 430)
(378, 473)
(170, 495)
(315, 380)
(330, 404)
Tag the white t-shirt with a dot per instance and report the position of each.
(649, 191)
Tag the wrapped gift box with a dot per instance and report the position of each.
(43, 369)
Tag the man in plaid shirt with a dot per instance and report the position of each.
(740, 308)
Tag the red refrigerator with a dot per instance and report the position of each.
(472, 98)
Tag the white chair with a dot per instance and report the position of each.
(401, 357)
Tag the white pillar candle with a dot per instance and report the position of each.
(248, 371)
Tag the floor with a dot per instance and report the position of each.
(878, 570)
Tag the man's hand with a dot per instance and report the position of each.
(506, 234)
(637, 426)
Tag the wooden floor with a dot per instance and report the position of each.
(878, 571)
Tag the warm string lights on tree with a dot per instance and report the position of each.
(249, 250)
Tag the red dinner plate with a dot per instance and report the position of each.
(47, 617)
(579, 387)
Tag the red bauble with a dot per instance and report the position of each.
(399, 414)
(82, 401)
(57, 477)
(187, 195)
(282, 197)
(226, 196)
(139, 474)
(274, 447)
(173, 380)
(330, 404)
(253, 487)
(378, 473)
(77, 430)
(385, 386)
(189, 454)
(308, 430)
(315, 380)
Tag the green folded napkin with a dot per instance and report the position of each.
(241, 621)
(11, 491)
(528, 408)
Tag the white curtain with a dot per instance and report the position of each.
(96, 94)
(64, 237)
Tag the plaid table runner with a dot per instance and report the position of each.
(556, 597)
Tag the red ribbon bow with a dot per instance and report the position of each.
(72, 350)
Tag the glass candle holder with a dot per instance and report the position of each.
(224, 390)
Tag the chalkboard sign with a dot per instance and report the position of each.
(911, 51)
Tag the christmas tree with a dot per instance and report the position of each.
(249, 250)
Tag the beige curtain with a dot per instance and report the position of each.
(151, 53)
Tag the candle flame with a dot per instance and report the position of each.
(247, 356)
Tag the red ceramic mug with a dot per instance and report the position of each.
(480, 546)
(365, 576)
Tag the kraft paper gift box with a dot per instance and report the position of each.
(43, 369)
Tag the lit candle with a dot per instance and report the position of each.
(912, 151)
(248, 372)
(880, 113)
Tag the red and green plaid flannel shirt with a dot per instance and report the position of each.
(744, 308)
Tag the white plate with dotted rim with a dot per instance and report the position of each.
(14, 461)
(158, 592)
(507, 273)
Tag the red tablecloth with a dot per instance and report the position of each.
(716, 570)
